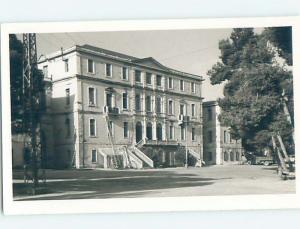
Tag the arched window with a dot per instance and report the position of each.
(138, 131)
(237, 156)
(231, 156)
(225, 156)
(149, 131)
(159, 132)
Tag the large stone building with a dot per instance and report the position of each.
(153, 112)
(218, 146)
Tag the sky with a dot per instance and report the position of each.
(192, 51)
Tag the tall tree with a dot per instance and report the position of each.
(16, 79)
(18, 111)
(254, 82)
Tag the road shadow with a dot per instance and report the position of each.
(111, 184)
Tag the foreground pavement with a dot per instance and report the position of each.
(170, 182)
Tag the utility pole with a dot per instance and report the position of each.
(31, 102)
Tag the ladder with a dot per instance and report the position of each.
(111, 140)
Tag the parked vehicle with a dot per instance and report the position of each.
(253, 159)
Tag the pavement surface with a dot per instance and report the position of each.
(166, 182)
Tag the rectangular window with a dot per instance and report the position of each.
(193, 134)
(138, 77)
(181, 85)
(158, 80)
(148, 103)
(92, 127)
(126, 130)
(170, 107)
(225, 136)
(170, 82)
(124, 73)
(92, 96)
(171, 132)
(210, 136)
(109, 99)
(148, 78)
(193, 110)
(45, 71)
(91, 66)
(68, 127)
(209, 113)
(193, 87)
(94, 156)
(108, 70)
(66, 65)
(125, 101)
(158, 105)
(182, 109)
(67, 96)
(137, 102)
(182, 131)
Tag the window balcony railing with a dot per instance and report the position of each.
(111, 110)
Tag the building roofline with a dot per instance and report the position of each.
(119, 57)
(210, 103)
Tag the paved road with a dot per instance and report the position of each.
(214, 180)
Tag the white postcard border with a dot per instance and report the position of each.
(153, 204)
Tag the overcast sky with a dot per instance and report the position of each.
(192, 51)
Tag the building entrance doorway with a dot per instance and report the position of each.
(159, 132)
(149, 131)
(138, 132)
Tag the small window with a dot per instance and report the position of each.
(66, 65)
(138, 77)
(193, 134)
(45, 71)
(148, 103)
(158, 105)
(181, 85)
(158, 80)
(126, 130)
(225, 136)
(92, 96)
(108, 70)
(182, 131)
(67, 96)
(170, 110)
(210, 136)
(148, 78)
(193, 110)
(193, 87)
(92, 127)
(68, 127)
(137, 102)
(91, 66)
(124, 73)
(182, 109)
(209, 113)
(94, 156)
(170, 82)
(171, 132)
(125, 101)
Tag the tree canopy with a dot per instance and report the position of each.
(254, 85)
(18, 97)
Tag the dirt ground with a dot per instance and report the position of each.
(213, 180)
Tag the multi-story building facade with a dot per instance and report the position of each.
(142, 103)
(219, 147)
